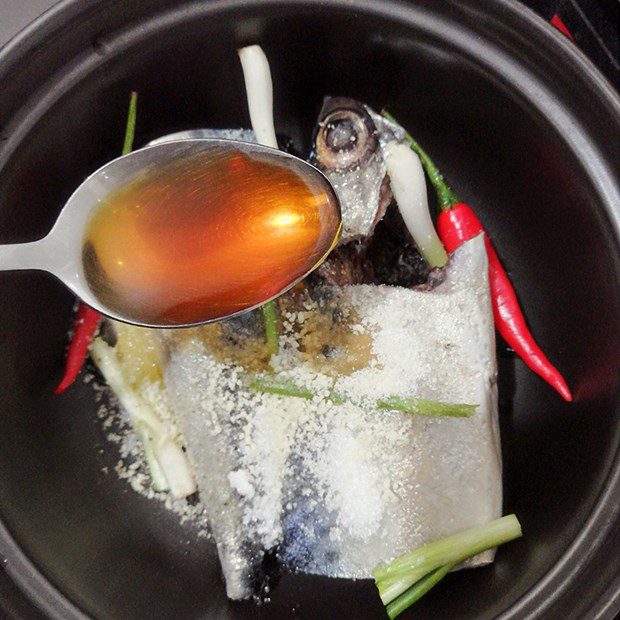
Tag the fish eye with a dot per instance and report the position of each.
(342, 133)
(346, 138)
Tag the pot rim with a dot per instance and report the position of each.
(602, 524)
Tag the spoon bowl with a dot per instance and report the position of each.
(188, 232)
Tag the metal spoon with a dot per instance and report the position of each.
(64, 254)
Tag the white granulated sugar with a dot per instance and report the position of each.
(240, 482)
(265, 447)
(339, 488)
(356, 487)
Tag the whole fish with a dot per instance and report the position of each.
(335, 489)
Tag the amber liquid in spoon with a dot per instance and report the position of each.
(206, 237)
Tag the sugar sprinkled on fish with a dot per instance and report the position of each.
(337, 488)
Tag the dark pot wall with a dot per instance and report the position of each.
(524, 129)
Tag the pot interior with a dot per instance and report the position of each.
(469, 89)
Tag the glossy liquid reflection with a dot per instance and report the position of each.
(210, 235)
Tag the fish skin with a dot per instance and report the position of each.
(367, 208)
(361, 189)
(446, 473)
(240, 135)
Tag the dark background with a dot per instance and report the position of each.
(594, 25)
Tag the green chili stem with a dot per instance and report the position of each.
(271, 326)
(447, 198)
(417, 591)
(426, 407)
(284, 387)
(130, 130)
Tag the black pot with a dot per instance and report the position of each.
(528, 133)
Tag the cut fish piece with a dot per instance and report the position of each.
(335, 489)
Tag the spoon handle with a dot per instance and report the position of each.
(33, 255)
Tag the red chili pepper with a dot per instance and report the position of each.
(556, 21)
(86, 319)
(457, 223)
(86, 323)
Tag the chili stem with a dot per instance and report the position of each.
(447, 198)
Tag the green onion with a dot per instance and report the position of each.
(285, 387)
(169, 466)
(398, 576)
(447, 197)
(157, 474)
(417, 591)
(273, 385)
(337, 399)
(426, 407)
(167, 463)
(259, 93)
(130, 129)
(404, 167)
(271, 326)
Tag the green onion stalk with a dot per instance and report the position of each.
(417, 591)
(168, 464)
(409, 577)
(446, 196)
(285, 387)
(259, 94)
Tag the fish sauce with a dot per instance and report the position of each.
(207, 236)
